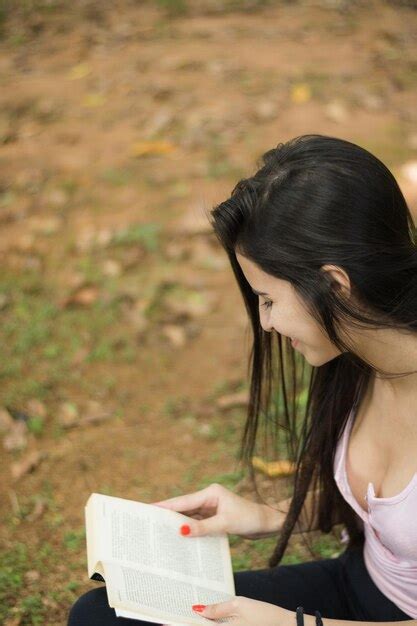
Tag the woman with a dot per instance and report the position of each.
(322, 244)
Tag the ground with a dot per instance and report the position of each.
(121, 326)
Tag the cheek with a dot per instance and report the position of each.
(309, 334)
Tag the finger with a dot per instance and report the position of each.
(208, 526)
(187, 502)
(222, 609)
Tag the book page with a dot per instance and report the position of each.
(145, 618)
(93, 540)
(156, 598)
(147, 536)
(138, 616)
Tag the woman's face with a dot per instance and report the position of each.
(281, 309)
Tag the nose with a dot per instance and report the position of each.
(267, 327)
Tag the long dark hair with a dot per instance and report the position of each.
(316, 200)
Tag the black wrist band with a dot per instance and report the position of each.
(300, 616)
(319, 621)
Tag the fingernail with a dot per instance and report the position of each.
(198, 607)
(185, 530)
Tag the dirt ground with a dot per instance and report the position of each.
(122, 330)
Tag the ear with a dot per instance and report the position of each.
(339, 278)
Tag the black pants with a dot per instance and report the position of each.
(339, 588)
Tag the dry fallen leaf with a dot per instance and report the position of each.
(38, 510)
(273, 468)
(95, 413)
(93, 100)
(96, 418)
(27, 465)
(300, 93)
(79, 71)
(143, 148)
(239, 398)
(85, 296)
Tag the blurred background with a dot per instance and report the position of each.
(124, 340)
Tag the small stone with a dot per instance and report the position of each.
(32, 576)
(336, 111)
(16, 439)
(206, 429)
(266, 110)
(175, 334)
(36, 407)
(111, 268)
(68, 415)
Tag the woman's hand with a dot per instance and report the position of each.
(217, 510)
(243, 611)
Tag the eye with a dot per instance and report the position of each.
(267, 304)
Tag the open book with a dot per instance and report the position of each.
(152, 572)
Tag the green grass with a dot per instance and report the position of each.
(40, 339)
(144, 234)
(18, 598)
(36, 425)
(13, 564)
(117, 177)
(327, 546)
(220, 165)
(173, 8)
(74, 539)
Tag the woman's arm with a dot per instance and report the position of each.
(274, 516)
(249, 612)
(310, 620)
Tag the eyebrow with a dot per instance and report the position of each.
(260, 293)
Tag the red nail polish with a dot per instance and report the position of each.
(185, 530)
(198, 607)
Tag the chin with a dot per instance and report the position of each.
(316, 359)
